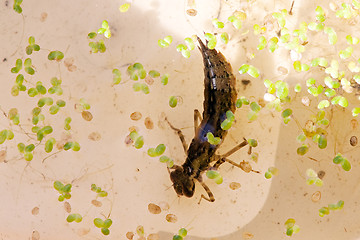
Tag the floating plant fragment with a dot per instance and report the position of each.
(251, 70)
(212, 140)
(181, 234)
(212, 174)
(124, 7)
(312, 178)
(345, 164)
(164, 43)
(326, 210)
(103, 224)
(74, 217)
(291, 227)
(272, 171)
(173, 101)
(55, 55)
(155, 152)
(64, 190)
(32, 46)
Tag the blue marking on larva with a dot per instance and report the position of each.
(223, 116)
(203, 132)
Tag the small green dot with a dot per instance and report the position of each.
(102, 194)
(238, 103)
(98, 222)
(322, 142)
(75, 146)
(144, 88)
(107, 223)
(255, 107)
(154, 73)
(217, 23)
(29, 148)
(170, 163)
(268, 175)
(78, 218)
(139, 142)
(185, 53)
(58, 185)
(28, 156)
(55, 55)
(68, 145)
(137, 87)
(92, 35)
(54, 109)
(165, 79)
(124, 7)
(168, 39)
(67, 188)
(3, 135)
(181, 47)
(253, 71)
(47, 129)
(32, 92)
(252, 142)
(244, 68)
(183, 232)
(226, 124)
(219, 180)
(40, 88)
(49, 145)
(151, 152)
(302, 150)
(105, 231)
(60, 103)
(173, 101)
(160, 149)
(21, 147)
(211, 174)
(67, 195)
(71, 218)
(286, 113)
(346, 165)
(177, 237)
(164, 159)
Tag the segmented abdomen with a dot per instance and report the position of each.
(220, 96)
(220, 92)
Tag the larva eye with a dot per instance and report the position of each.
(178, 189)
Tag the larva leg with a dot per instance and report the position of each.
(220, 159)
(239, 146)
(197, 117)
(179, 133)
(208, 191)
(245, 166)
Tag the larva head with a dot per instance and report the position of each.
(183, 184)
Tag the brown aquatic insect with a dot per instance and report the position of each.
(220, 97)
